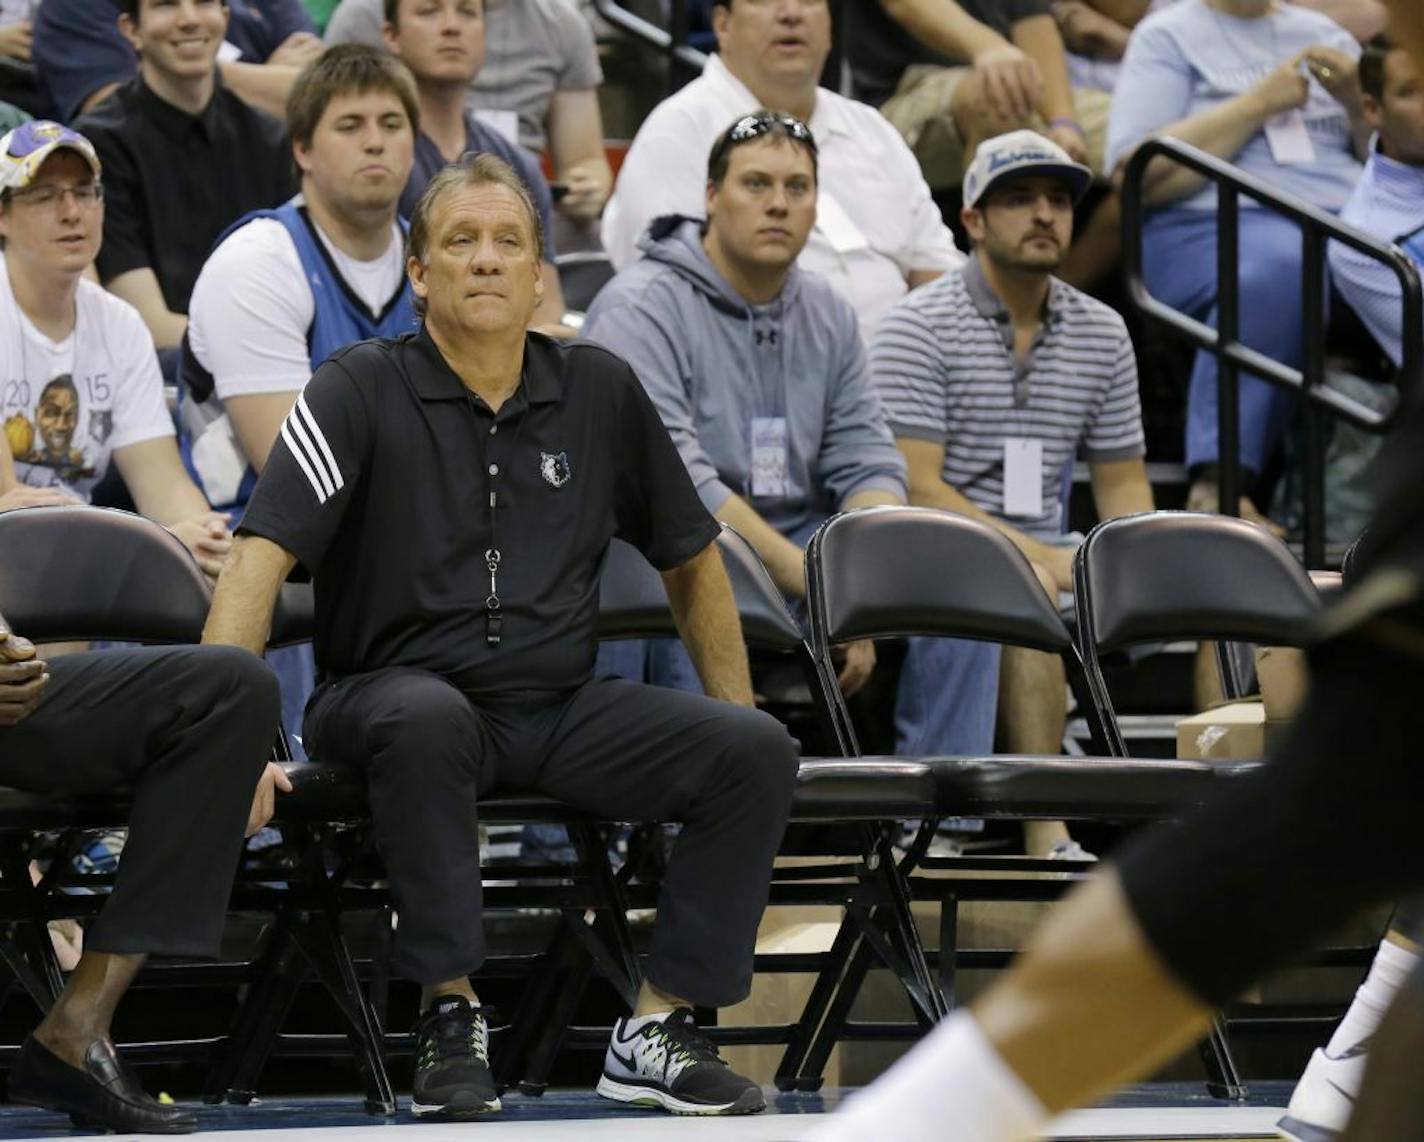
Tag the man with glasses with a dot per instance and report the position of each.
(80, 378)
(755, 367)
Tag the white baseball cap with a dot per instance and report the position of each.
(1017, 154)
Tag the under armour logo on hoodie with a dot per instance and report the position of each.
(768, 336)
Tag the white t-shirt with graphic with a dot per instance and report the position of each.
(66, 405)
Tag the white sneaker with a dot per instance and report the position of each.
(1324, 1099)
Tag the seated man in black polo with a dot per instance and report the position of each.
(453, 494)
(184, 158)
(188, 729)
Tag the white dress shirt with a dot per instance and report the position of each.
(875, 219)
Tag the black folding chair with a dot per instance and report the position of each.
(899, 572)
(1169, 576)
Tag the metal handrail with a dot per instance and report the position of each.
(672, 44)
(1224, 342)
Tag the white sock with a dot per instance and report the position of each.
(953, 1087)
(635, 1022)
(1391, 968)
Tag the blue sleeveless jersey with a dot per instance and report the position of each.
(340, 316)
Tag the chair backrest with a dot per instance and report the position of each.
(634, 604)
(1162, 576)
(896, 571)
(80, 573)
(294, 616)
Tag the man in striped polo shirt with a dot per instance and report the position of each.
(993, 378)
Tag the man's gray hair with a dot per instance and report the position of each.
(469, 170)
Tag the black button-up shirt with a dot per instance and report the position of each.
(173, 182)
(381, 480)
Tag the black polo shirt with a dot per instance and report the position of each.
(380, 484)
(173, 182)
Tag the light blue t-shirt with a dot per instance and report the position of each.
(1189, 58)
(1388, 203)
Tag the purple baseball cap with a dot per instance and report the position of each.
(24, 150)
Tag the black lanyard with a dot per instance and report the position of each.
(494, 615)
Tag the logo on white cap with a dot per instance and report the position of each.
(1019, 153)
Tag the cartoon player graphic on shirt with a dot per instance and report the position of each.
(57, 418)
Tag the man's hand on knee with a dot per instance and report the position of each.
(264, 801)
(23, 677)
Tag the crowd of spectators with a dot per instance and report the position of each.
(807, 327)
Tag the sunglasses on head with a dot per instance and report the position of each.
(760, 123)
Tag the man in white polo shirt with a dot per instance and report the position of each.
(995, 377)
(878, 233)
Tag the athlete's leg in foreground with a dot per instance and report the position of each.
(1324, 1099)
(1126, 973)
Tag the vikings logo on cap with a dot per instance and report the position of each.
(24, 150)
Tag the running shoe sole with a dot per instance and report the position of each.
(1297, 1131)
(652, 1098)
(458, 1108)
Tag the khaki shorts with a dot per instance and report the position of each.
(920, 111)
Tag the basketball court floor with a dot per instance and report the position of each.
(1153, 1113)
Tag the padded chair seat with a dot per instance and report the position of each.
(863, 789)
(827, 789)
(1075, 787)
(337, 794)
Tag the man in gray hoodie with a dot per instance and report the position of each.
(758, 372)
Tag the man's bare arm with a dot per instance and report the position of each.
(261, 85)
(706, 614)
(785, 561)
(1120, 487)
(256, 420)
(141, 290)
(246, 594)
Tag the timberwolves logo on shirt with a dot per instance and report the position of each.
(554, 467)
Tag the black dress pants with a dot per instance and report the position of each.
(614, 748)
(188, 730)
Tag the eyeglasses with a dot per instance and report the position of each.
(86, 194)
(757, 124)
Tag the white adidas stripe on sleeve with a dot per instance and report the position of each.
(308, 446)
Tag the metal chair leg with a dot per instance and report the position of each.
(1223, 1078)
(321, 940)
(278, 977)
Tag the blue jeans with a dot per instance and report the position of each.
(295, 668)
(946, 703)
(1179, 248)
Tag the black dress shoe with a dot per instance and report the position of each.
(103, 1095)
